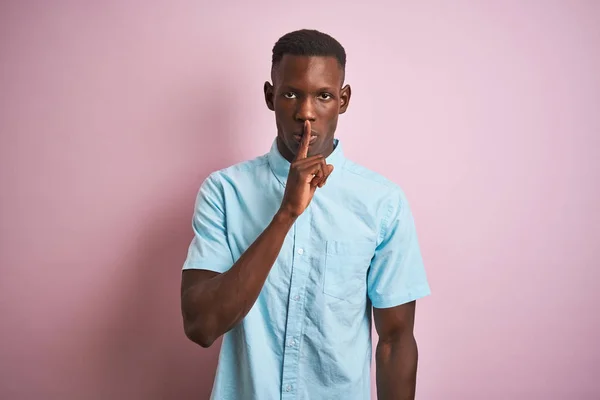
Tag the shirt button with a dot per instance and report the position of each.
(288, 388)
(300, 251)
(292, 343)
(296, 297)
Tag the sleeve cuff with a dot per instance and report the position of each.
(396, 300)
(208, 266)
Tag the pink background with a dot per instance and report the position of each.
(112, 113)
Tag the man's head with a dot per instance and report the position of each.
(308, 73)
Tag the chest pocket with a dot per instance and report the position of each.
(346, 266)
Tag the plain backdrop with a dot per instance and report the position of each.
(112, 113)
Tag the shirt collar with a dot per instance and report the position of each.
(281, 167)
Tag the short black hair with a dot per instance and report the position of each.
(308, 42)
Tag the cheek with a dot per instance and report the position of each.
(330, 111)
(283, 112)
(332, 125)
(332, 117)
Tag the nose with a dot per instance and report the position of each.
(305, 110)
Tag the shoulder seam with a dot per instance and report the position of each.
(382, 179)
(244, 165)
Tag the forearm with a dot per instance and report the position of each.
(218, 304)
(397, 368)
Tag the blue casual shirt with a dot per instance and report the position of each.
(308, 336)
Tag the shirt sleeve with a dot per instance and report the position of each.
(397, 274)
(209, 248)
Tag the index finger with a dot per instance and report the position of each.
(303, 150)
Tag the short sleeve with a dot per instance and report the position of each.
(397, 274)
(209, 248)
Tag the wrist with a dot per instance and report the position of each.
(285, 217)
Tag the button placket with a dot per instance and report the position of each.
(295, 311)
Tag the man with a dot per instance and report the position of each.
(292, 250)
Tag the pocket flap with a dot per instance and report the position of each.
(351, 248)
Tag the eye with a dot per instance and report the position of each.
(289, 95)
(325, 96)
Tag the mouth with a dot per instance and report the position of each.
(298, 138)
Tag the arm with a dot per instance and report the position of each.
(213, 303)
(397, 279)
(396, 355)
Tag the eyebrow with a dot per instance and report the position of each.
(293, 89)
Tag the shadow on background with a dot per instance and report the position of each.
(147, 354)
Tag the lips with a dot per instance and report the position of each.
(298, 138)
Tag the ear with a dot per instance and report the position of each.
(268, 88)
(345, 98)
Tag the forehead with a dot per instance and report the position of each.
(308, 71)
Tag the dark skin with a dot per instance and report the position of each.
(307, 96)
(306, 89)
